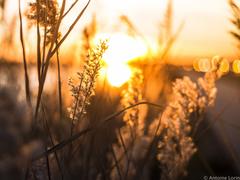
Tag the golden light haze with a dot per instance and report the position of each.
(206, 24)
(205, 32)
(122, 49)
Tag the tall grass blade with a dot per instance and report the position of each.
(27, 86)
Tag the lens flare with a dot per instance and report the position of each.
(204, 65)
(224, 66)
(236, 66)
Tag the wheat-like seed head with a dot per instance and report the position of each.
(84, 89)
(46, 13)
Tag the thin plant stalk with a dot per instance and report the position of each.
(38, 43)
(89, 129)
(27, 88)
(59, 86)
(53, 50)
(150, 148)
(75, 108)
(44, 42)
(116, 162)
(48, 167)
(125, 151)
(70, 8)
(45, 69)
(46, 125)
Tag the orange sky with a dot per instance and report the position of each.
(205, 32)
(206, 28)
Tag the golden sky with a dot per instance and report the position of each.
(205, 32)
(206, 27)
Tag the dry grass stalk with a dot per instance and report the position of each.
(177, 147)
(84, 89)
(27, 88)
(83, 132)
(128, 135)
(48, 16)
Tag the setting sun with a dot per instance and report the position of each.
(118, 74)
(122, 49)
(114, 90)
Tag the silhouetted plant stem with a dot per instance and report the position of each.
(87, 130)
(149, 150)
(59, 87)
(51, 140)
(27, 88)
(44, 44)
(70, 8)
(38, 43)
(53, 50)
(48, 167)
(116, 162)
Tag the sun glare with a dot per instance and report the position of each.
(118, 74)
(122, 49)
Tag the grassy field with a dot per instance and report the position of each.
(116, 108)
